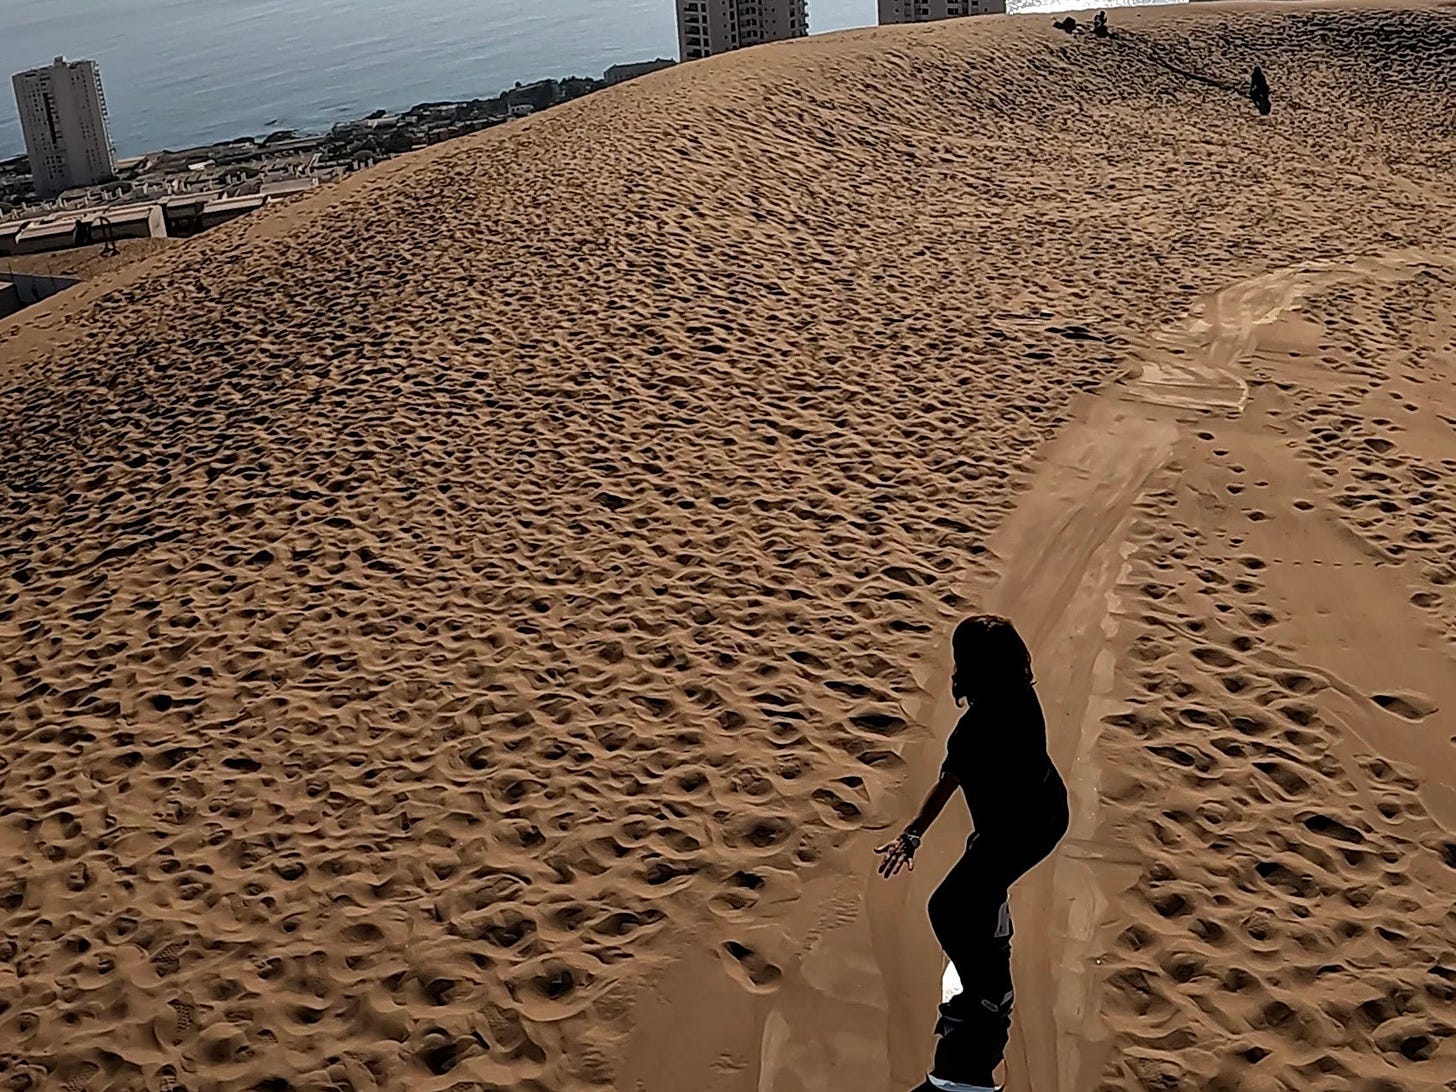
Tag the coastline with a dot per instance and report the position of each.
(325, 156)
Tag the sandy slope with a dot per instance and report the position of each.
(84, 262)
(456, 630)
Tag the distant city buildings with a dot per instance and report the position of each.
(620, 73)
(706, 27)
(63, 117)
(924, 11)
(178, 193)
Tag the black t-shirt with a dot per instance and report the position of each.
(998, 754)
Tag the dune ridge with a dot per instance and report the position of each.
(432, 611)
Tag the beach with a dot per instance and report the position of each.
(468, 627)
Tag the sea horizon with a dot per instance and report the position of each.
(182, 73)
(179, 73)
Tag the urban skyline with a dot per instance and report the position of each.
(925, 11)
(64, 120)
(708, 27)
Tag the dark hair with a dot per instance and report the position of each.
(988, 650)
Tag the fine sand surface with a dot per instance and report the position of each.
(84, 262)
(467, 629)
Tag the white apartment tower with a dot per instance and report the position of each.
(63, 117)
(923, 11)
(705, 27)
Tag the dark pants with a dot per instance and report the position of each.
(971, 917)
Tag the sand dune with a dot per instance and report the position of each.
(465, 629)
(84, 262)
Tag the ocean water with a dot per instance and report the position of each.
(185, 72)
(180, 72)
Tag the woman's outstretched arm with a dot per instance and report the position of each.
(935, 801)
(901, 852)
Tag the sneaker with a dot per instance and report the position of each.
(940, 1084)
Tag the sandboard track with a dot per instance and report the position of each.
(1070, 591)
(1061, 564)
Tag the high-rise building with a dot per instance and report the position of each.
(705, 27)
(63, 117)
(923, 11)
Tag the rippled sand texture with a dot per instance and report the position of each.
(427, 606)
(1283, 767)
(84, 262)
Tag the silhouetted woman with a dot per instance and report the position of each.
(997, 756)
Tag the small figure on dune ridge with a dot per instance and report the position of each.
(1099, 25)
(1259, 91)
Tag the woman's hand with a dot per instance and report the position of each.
(901, 852)
(898, 854)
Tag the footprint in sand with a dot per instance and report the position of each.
(749, 968)
(1405, 704)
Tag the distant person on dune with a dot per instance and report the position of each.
(997, 756)
(1259, 91)
(1099, 24)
